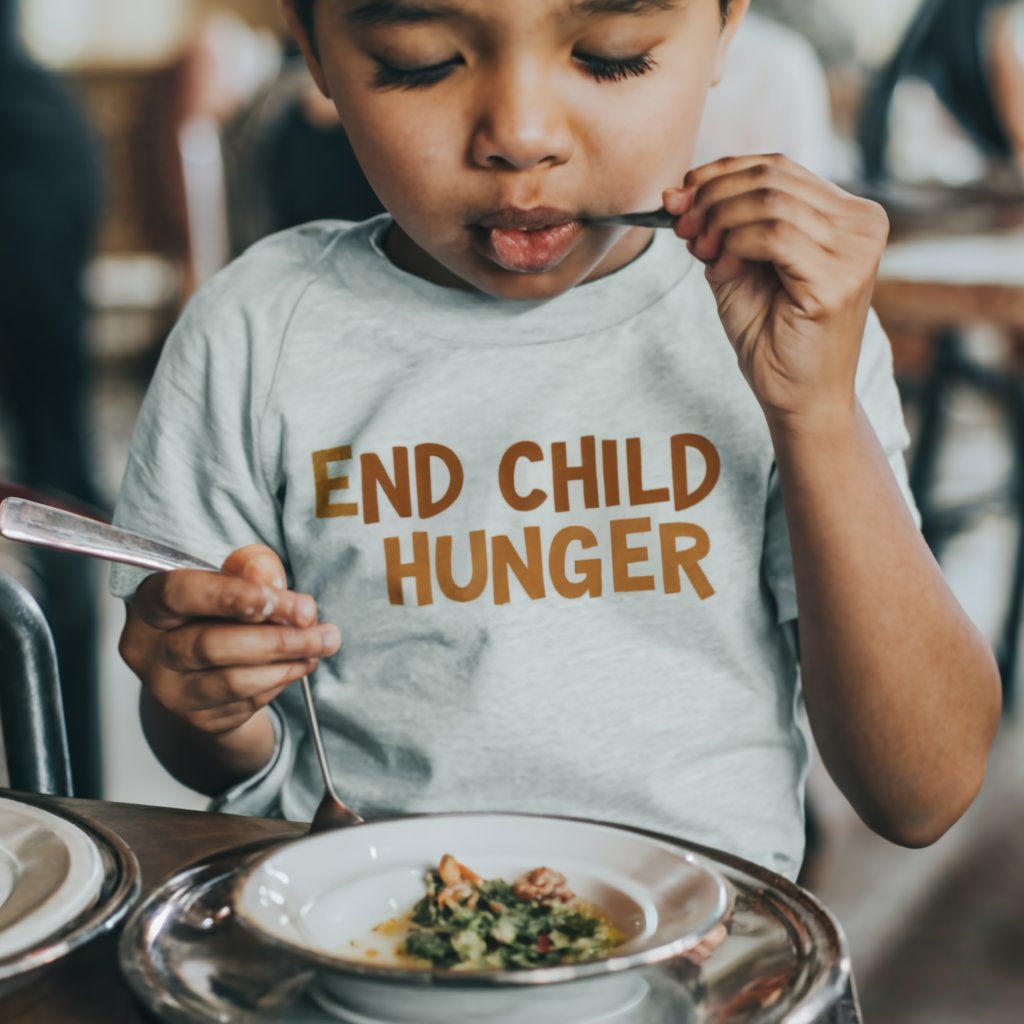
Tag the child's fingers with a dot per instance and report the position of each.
(767, 181)
(258, 563)
(252, 686)
(170, 599)
(226, 717)
(795, 257)
(708, 229)
(200, 646)
(762, 164)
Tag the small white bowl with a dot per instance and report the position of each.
(321, 896)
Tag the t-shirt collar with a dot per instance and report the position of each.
(473, 316)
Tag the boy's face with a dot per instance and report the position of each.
(491, 129)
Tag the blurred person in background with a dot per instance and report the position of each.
(289, 161)
(49, 208)
(827, 24)
(949, 104)
(791, 114)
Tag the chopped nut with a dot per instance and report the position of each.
(458, 893)
(544, 886)
(452, 872)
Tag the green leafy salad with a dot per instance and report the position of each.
(465, 922)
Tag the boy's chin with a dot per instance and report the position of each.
(525, 287)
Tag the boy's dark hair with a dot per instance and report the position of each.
(305, 12)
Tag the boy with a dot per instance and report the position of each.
(508, 450)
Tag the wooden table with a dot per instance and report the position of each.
(86, 987)
(932, 286)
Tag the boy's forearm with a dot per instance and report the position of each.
(208, 763)
(902, 691)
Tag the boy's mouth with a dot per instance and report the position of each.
(529, 241)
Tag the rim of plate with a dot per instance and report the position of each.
(121, 885)
(79, 888)
(526, 977)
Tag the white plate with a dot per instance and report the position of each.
(320, 895)
(50, 872)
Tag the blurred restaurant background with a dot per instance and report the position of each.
(144, 143)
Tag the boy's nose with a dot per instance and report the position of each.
(520, 124)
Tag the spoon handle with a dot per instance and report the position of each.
(47, 527)
(648, 219)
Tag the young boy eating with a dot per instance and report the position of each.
(584, 564)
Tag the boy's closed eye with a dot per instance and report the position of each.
(601, 68)
(417, 44)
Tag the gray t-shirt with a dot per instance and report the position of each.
(550, 532)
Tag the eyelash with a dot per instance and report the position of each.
(601, 69)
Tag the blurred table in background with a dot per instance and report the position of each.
(956, 262)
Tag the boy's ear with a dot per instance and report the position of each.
(307, 45)
(737, 11)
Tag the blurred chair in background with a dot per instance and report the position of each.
(949, 105)
(165, 224)
(49, 212)
(35, 742)
(948, 110)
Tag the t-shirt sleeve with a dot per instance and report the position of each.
(195, 476)
(880, 399)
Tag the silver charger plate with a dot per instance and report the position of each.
(190, 962)
(120, 886)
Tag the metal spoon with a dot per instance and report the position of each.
(44, 526)
(649, 219)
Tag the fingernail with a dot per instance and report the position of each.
(331, 638)
(305, 610)
(678, 200)
(281, 583)
(271, 602)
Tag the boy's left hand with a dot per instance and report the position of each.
(792, 261)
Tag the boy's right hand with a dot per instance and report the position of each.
(214, 648)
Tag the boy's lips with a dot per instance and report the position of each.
(529, 241)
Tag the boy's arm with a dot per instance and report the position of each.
(209, 763)
(901, 690)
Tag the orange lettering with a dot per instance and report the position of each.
(623, 556)
(638, 494)
(418, 569)
(586, 473)
(688, 560)
(428, 508)
(507, 477)
(590, 584)
(326, 485)
(713, 467)
(530, 573)
(610, 466)
(398, 491)
(478, 556)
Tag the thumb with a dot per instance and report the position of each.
(258, 563)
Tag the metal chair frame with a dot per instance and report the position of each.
(31, 707)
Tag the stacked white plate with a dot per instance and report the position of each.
(62, 883)
(50, 872)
